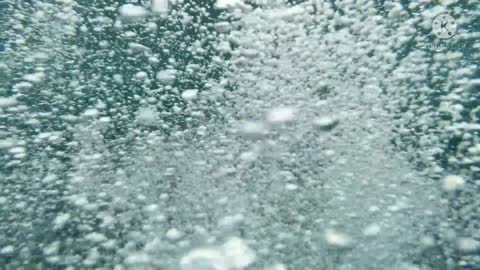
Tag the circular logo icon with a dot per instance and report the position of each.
(444, 26)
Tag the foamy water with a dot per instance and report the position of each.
(231, 135)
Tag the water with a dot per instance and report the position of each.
(238, 135)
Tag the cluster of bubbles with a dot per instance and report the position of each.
(231, 134)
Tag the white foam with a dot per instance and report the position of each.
(132, 13)
(166, 76)
(281, 115)
(337, 239)
(227, 3)
(7, 102)
(234, 254)
(174, 234)
(160, 6)
(453, 182)
(190, 94)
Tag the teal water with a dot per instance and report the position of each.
(107, 165)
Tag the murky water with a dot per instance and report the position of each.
(229, 135)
